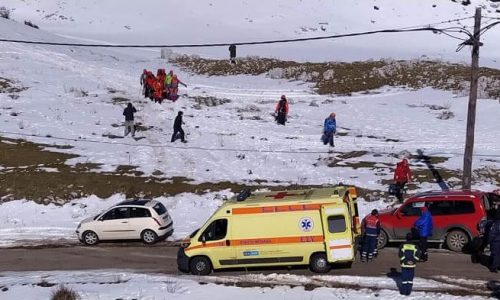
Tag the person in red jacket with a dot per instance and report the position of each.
(402, 175)
(150, 82)
(371, 231)
(281, 110)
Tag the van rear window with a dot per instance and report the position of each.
(464, 207)
(160, 209)
(336, 224)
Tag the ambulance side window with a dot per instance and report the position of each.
(336, 224)
(215, 231)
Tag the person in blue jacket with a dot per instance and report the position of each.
(494, 241)
(329, 130)
(424, 229)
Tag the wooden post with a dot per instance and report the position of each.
(471, 114)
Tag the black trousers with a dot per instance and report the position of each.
(400, 191)
(495, 256)
(177, 131)
(423, 247)
(281, 118)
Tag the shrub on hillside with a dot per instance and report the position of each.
(64, 293)
(4, 12)
(28, 23)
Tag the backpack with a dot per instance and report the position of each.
(394, 189)
(282, 106)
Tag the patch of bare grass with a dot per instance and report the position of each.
(356, 77)
(64, 293)
(8, 86)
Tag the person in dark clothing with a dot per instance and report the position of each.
(371, 231)
(281, 110)
(232, 53)
(424, 229)
(178, 128)
(409, 254)
(128, 112)
(494, 241)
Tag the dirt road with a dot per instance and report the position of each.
(162, 259)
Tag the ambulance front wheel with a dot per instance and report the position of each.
(319, 263)
(200, 265)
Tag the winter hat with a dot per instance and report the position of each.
(375, 212)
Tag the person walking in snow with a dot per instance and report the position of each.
(402, 175)
(409, 254)
(232, 53)
(424, 229)
(178, 128)
(371, 231)
(494, 241)
(174, 87)
(128, 112)
(281, 110)
(329, 130)
(143, 80)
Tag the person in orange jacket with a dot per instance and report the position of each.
(150, 82)
(174, 87)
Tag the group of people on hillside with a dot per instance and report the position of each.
(413, 250)
(160, 87)
(129, 112)
(329, 125)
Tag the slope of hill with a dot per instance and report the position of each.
(192, 21)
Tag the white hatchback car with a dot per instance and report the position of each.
(143, 219)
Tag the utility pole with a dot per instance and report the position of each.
(471, 113)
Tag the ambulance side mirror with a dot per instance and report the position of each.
(203, 239)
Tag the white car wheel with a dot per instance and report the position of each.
(149, 236)
(90, 238)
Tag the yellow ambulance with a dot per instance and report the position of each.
(315, 227)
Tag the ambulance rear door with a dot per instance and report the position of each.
(336, 223)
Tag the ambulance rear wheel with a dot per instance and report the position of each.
(319, 263)
(200, 265)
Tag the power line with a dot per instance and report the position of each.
(420, 29)
(205, 148)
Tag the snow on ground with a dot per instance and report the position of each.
(192, 21)
(237, 141)
(121, 284)
(27, 223)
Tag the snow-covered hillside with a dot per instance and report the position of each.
(75, 97)
(193, 21)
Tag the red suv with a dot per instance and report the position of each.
(455, 214)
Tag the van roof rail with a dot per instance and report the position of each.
(245, 193)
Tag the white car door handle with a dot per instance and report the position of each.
(125, 222)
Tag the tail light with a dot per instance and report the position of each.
(157, 222)
(481, 226)
(357, 224)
